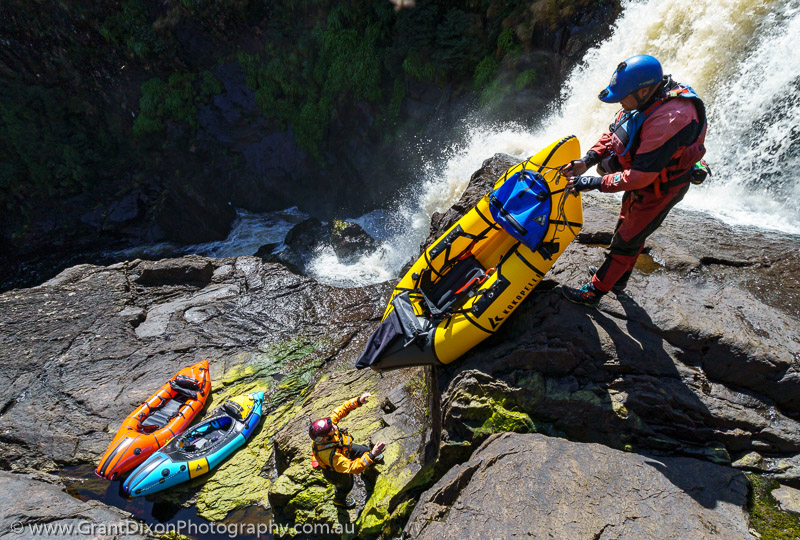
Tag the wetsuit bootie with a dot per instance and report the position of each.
(619, 286)
(586, 295)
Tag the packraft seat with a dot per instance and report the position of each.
(186, 386)
(442, 297)
(161, 416)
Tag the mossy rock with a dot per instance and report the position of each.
(283, 371)
(302, 495)
(766, 516)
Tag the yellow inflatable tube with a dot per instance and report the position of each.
(467, 283)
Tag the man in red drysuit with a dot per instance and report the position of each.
(649, 152)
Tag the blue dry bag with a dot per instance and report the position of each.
(521, 206)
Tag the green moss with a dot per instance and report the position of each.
(766, 517)
(503, 420)
(717, 453)
(312, 497)
(282, 366)
(390, 505)
(377, 509)
(525, 79)
(177, 99)
(416, 387)
(302, 495)
(243, 479)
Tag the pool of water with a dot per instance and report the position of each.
(164, 516)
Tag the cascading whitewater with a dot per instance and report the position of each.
(741, 58)
(739, 55)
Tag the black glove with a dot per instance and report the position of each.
(591, 158)
(587, 183)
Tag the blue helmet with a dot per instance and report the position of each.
(634, 73)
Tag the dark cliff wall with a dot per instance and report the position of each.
(134, 121)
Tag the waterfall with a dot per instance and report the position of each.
(742, 58)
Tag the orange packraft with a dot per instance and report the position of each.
(163, 416)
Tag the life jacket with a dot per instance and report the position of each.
(322, 453)
(627, 127)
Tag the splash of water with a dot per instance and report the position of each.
(406, 226)
(249, 231)
(739, 55)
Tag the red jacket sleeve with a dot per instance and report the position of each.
(671, 127)
(600, 149)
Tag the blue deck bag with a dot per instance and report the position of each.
(521, 206)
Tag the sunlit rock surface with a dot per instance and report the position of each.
(699, 359)
(544, 487)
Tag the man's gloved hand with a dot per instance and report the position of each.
(584, 183)
(574, 168)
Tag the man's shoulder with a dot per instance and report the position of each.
(676, 106)
(673, 115)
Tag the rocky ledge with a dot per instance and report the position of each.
(575, 490)
(685, 380)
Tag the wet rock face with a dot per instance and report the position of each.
(31, 501)
(544, 487)
(348, 241)
(698, 359)
(691, 360)
(306, 235)
(84, 350)
(395, 415)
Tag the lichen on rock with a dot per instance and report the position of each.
(244, 478)
(301, 494)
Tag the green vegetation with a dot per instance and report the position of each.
(766, 517)
(525, 79)
(506, 41)
(46, 144)
(176, 99)
(493, 93)
(304, 82)
(131, 29)
(85, 77)
(362, 51)
(485, 71)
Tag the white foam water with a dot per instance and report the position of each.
(741, 56)
(249, 231)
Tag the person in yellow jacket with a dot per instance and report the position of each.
(333, 451)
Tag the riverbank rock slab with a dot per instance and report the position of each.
(37, 506)
(518, 485)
